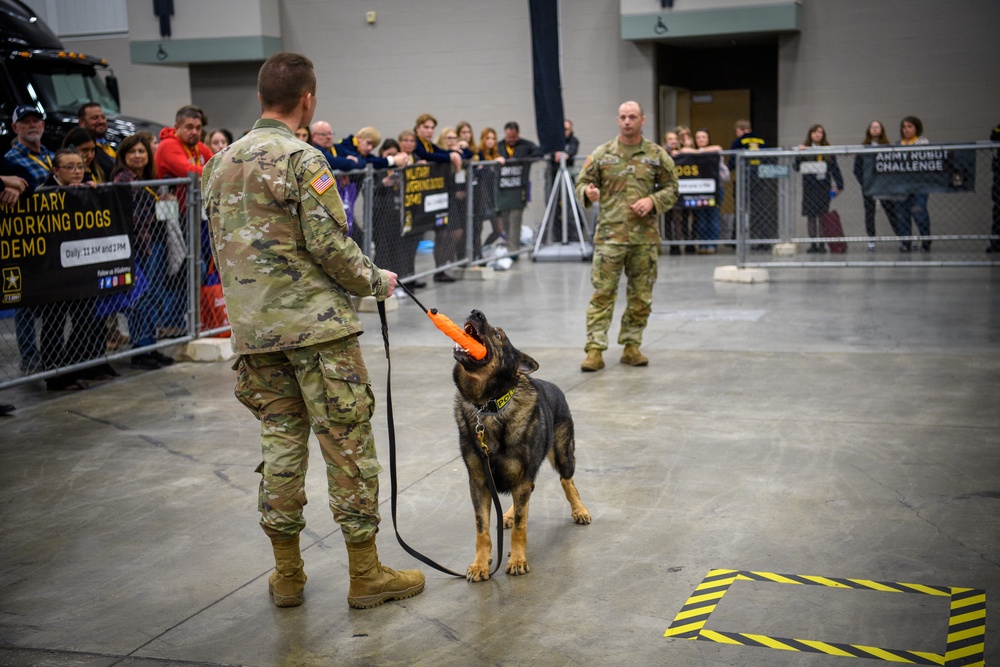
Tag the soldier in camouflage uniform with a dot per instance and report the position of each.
(289, 268)
(634, 181)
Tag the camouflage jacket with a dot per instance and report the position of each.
(624, 181)
(279, 238)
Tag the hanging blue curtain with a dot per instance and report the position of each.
(548, 86)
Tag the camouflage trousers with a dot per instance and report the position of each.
(324, 387)
(639, 262)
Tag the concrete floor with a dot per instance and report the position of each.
(832, 422)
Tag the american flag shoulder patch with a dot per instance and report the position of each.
(322, 182)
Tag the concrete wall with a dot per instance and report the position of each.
(197, 19)
(855, 60)
(654, 6)
(466, 61)
(858, 60)
(470, 61)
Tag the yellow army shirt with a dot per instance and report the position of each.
(280, 242)
(626, 174)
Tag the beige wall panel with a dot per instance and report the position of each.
(858, 60)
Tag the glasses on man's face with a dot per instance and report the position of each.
(71, 167)
(322, 134)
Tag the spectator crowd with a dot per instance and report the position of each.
(61, 334)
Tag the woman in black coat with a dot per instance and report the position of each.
(821, 181)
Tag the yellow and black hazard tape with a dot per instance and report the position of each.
(966, 625)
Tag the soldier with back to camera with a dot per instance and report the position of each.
(289, 268)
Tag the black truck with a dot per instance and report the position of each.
(35, 69)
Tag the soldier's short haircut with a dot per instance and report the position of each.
(283, 79)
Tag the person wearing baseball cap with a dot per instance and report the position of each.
(27, 151)
(25, 109)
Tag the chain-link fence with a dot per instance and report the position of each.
(420, 221)
(864, 206)
(161, 288)
(114, 272)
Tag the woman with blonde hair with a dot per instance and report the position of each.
(686, 139)
(487, 178)
(466, 139)
(407, 140)
(449, 241)
(707, 219)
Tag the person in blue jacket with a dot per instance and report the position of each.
(362, 144)
(322, 137)
(426, 149)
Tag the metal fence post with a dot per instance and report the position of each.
(368, 190)
(194, 253)
(741, 214)
(470, 214)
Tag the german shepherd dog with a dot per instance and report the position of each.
(521, 421)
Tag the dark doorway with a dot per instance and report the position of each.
(700, 67)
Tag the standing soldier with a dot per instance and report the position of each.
(634, 181)
(289, 268)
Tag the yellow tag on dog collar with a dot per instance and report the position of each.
(502, 401)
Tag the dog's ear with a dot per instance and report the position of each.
(526, 364)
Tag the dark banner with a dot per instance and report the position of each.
(65, 244)
(513, 185)
(919, 171)
(697, 178)
(425, 197)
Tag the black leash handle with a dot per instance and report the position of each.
(392, 460)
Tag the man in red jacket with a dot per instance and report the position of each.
(181, 149)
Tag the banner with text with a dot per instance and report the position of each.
(513, 185)
(919, 171)
(65, 244)
(697, 179)
(425, 197)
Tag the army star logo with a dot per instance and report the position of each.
(11, 280)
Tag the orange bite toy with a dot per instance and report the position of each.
(475, 349)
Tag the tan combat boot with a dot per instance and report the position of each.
(373, 583)
(593, 362)
(288, 579)
(633, 357)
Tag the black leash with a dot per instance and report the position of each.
(392, 458)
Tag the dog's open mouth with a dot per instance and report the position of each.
(462, 354)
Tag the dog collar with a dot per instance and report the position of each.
(495, 405)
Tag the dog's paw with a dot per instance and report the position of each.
(508, 521)
(581, 517)
(477, 573)
(517, 567)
